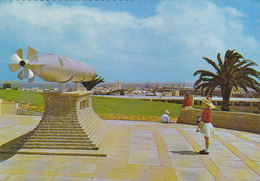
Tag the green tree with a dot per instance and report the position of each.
(234, 73)
(7, 86)
(91, 84)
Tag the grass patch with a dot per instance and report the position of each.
(20, 96)
(105, 107)
(132, 109)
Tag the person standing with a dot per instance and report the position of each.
(205, 126)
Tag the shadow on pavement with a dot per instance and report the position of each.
(185, 152)
(10, 148)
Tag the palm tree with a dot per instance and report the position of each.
(234, 73)
(91, 84)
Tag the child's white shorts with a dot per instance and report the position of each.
(207, 129)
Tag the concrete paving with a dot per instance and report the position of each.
(137, 151)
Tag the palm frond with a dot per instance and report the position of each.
(202, 86)
(231, 58)
(250, 71)
(251, 63)
(204, 73)
(211, 62)
(245, 61)
(220, 62)
(91, 84)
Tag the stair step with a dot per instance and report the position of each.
(62, 147)
(57, 144)
(55, 121)
(59, 140)
(74, 118)
(59, 131)
(59, 125)
(61, 134)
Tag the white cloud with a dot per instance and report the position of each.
(233, 12)
(121, 45)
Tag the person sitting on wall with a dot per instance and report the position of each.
(165, 117)
(187, 103)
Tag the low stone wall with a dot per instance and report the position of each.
(222, 119)
(8, 108)
(1, 100)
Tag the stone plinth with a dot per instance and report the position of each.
(69, 122)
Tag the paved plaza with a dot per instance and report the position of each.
(136, 150)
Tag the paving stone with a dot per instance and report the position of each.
(109, 179)
(143, 150)
(237, 173)
(187, 174)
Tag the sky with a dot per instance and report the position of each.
(132, 40)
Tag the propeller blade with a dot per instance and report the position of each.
(34, 59)
(14, 67)
(21, 74)
(19, 52)
(31, 79)
(31, 53)
(31, 74)
(26, 72)
(15, 58)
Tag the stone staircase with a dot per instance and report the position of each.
(57, 133)
(72, 126)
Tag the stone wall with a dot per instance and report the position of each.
(8, 108)
(222, 119)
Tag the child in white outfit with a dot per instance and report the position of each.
(205, 126)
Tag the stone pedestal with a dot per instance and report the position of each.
(68, 123)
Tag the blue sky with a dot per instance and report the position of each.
(134, 40)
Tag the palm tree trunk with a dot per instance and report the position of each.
(225, 105)
(225, 95)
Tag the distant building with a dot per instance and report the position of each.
(176, 92)
(118, 85)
